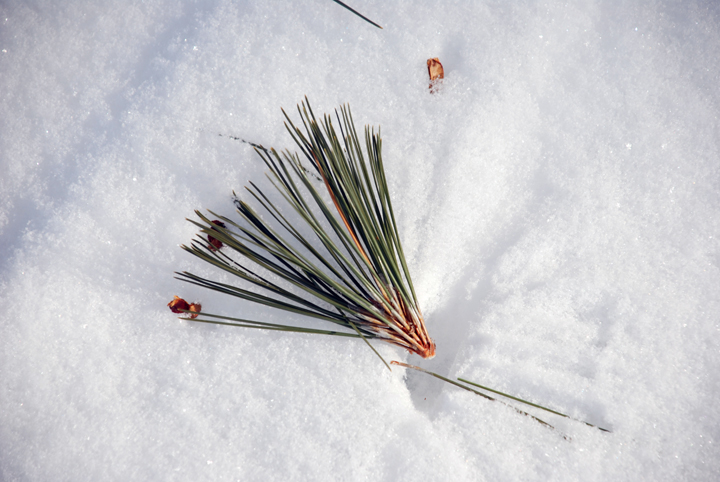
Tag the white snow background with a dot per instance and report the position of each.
(558, 201)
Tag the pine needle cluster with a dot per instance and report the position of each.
(338, 259)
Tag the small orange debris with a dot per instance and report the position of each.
(178, 304)
(195, 308)
(215, 244)
(436, 73)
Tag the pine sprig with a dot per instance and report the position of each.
(350, 270)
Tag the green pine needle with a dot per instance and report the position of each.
(357, 13)
(531, 404)
(497, 392)
(487, 397)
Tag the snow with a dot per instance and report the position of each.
(558, 201)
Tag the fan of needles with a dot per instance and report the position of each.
(348, 268)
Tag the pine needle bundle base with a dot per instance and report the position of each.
(349, 271)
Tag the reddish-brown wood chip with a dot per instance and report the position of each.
(178, 304)
(436, 73)
(215, 244)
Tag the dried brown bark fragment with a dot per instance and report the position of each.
(178, 304)
(215, 244)
(436, 73)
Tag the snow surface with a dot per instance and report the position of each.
(558, 200)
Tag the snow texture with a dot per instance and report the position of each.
(558, 201)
